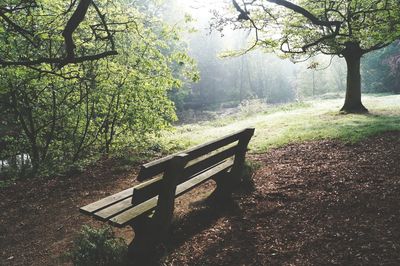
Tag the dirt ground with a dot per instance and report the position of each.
(316, 203)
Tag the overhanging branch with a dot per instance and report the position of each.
(300, 10)
(72, 24)
(59, 61)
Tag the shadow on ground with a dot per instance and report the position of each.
(316, 203)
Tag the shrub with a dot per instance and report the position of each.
(98, 247)
(249, 168)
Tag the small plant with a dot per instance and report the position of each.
(98, 247)
(249, 168)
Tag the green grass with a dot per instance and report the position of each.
(278, 126)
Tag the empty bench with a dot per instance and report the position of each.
(148, 207)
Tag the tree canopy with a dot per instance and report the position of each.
(52, 31)
(347, 28)
(63, 117)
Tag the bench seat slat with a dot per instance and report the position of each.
(126, 216)
(117, 208)
(110, 200)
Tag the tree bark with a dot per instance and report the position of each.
(352, 104)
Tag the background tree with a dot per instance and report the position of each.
(381, 70)
(347, 29)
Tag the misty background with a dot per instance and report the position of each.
(227, 82)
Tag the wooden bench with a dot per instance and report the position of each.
(148, 207)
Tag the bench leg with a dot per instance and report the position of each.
(145, 240)
(224, 188)
(149, 232)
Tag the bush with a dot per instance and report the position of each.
(98, 247)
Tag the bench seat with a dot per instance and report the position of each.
(119, 210)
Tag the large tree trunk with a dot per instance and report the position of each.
(352, 54)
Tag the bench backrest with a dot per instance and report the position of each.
(196, 160)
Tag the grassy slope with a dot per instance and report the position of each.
(318, 119)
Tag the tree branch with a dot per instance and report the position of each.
(244, 14)
(72, 24)
(23, 32)
(60, 61)
(298, 9)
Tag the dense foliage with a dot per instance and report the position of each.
(56, 118)
(381, 70)
(45, 31)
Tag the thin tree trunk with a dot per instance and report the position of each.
(313, 82)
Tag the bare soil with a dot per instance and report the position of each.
(316, 203)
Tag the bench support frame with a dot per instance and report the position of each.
(226, 182)
(149, 231)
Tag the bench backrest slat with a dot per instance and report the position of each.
(146, 190)
(152, 187)
(205, 163)
(157, 167)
